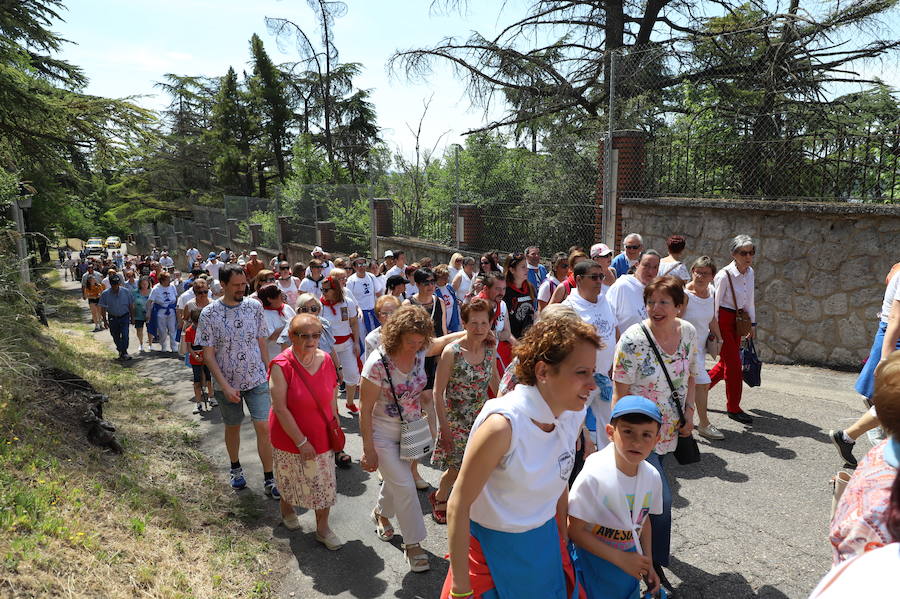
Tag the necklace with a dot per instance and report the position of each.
(307, 363)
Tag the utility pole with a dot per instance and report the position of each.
(16, 208)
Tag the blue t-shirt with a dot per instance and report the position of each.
(621, 264)
(116, 304)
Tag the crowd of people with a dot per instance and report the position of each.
(549, 394)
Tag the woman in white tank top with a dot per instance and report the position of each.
(700, 311)
(462, 282)
(515, 470)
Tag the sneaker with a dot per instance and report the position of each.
(141, 348)
(710, 432)
(876, 435)
(238, 481)
(845, 450)
(212, 403)
(126, 357)
(270, 489)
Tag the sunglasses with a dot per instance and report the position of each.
(595, 276)
(285, 268)
(308, 336)
(312, 309)
(204, 292)
(632, 247)
(747, 252)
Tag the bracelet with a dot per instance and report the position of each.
(469, 594)
(304, 442)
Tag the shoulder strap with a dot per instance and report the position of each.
(665, 370)
(731, 284)
(387, 373)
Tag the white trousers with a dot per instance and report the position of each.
(350, 369)
(165, 329)
(398, 496)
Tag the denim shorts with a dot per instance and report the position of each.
(257, 400)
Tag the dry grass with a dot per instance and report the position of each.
(76, 521)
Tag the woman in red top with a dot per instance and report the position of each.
(303, 386)
(520, 295)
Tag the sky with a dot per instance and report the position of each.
(126, 46)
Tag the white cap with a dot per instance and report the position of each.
(253, 253)
(317, 250)
(388, 254)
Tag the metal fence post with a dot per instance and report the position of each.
(609, 211)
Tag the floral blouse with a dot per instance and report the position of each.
(407, 385)
(636, 365)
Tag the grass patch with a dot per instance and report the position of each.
(78, 521)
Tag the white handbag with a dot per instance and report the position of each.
(415, 436)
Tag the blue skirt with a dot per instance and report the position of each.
(865, 382)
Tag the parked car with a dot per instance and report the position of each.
(113, 243)
(94, 246)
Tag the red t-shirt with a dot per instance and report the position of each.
(302, 396)
(189, 336)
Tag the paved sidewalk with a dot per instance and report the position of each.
(751, 520)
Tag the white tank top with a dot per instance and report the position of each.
(522, 492)
(699, 312)
(291, 292)
(465, 283)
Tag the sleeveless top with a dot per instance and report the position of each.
(520, 303)
(436, 309)
(699, 312)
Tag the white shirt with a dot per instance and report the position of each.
(545, 291)
(870, 574)
(891, 294)
(504, 316)
(326, 270)
(192, 255)
(674, 269)
(307, 285)
(395, 270)
(213, 268)
(465, 283)
(163, 296)
(365, 289)
(452, 273)
(598, 314)
(743, 290)
(184, 298)
(522, 492)
(166, 262)
(699, 312)
(276, 322)
(626, 297)
(340, 316)
(291, 291)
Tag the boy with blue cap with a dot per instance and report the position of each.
(609, 504)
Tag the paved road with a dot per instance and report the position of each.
(750, 520)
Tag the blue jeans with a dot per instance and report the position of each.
(118, 328)
(662, 524)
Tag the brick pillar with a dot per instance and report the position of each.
(325, 234)
(255, 235)
(629, 178)
(473, 221)
(232, 227)
(384, 217)
(283, 230)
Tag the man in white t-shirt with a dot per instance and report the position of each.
(213, 265)
(399, 267)
(366, 288)
(593, 308)
(626, 296)
(312, 282)
(192, 255)
(166, 261)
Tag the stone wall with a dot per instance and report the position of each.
(820, 268)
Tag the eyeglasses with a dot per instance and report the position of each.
(429, 282)
(632, 247)
(747, 252)
(308, 336)
(201, 292)
(308, 309)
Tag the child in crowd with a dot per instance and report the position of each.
(203, 386)
(609, 505)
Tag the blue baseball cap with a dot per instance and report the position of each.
(212, 254)
(636, 404)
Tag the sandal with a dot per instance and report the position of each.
(352, 407)
(439, 516)
(418, 561)
(385, 533)
(342, 460)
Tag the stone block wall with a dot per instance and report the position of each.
(820, 267)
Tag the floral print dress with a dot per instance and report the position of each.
(467, 390)
(636, 365)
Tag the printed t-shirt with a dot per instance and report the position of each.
(235, 332)
(520, 303)
(605, 496)
(407, 385)
(163, 296)
(291, 291)
(626, 297)
(304, 391)
(636, 365)
(364, 290)
(674, 269)
(339, 316)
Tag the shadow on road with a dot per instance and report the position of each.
(699, 583)
(354, 569)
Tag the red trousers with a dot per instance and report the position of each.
(729, 365)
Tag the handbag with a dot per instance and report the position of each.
(415, 437)
(751, 364)
(687, 451)
(742, 323)
(336, 438)
(713, 345)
